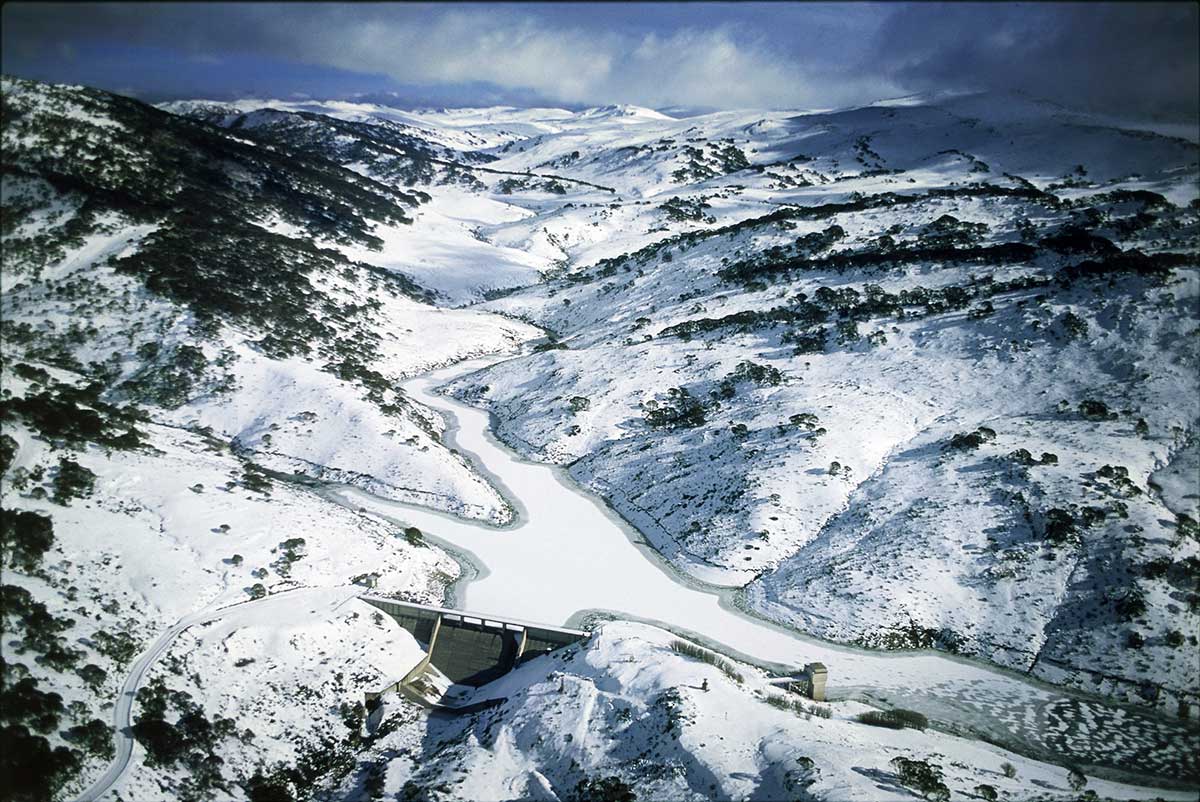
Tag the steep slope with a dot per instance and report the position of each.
(241, 244)
(633, 708)
(869, 358)
(449, 250)
(182, 338)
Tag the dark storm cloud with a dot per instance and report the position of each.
(1137, 60)
(190, 27)
(723, 55)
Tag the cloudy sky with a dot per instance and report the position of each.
(1134, 60)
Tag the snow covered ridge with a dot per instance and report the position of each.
(257, 295)
(974, 478)
(915, 399)
(178, 323)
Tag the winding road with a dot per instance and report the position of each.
(568, 559)
(123, 708)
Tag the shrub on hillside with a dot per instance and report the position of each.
(24, 537)
(120, 647)
(810, 342)
(74, 416)
(705, 656)
(922, 776)
(1093, 410)
(190, 740)
(40, 628)
(847, 332)
(25, 704)
(8, 452)
(681, 410)
(746, 371)
(95, 737)
(72, 481)
(1059, 526)
(895, 719)
(255, 479)
(1073, 326)
(966, 441)
(32, 770)
(169, 379)
(603, 789)
(1131, 605)
(93, 675)
(1022, 457)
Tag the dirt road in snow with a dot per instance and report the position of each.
(123, 708)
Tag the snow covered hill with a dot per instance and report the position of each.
(914, 394)
(919, 374)
(182, 336)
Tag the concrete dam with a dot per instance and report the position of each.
(471, 649)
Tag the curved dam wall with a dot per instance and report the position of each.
(472, 649)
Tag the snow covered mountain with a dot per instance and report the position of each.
(918, 375)
(179, 326)
(914, 395)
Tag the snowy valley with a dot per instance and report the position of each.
(909, 389)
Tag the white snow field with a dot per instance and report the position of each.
(828, 486)
(447, 250)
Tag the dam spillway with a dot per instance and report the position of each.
(472, 649)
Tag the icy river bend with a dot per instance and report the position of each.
(568, 557)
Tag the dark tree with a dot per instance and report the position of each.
(604, 789)
(25, 537)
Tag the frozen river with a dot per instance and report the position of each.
(568, 556)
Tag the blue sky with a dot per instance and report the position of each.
(1129, 59)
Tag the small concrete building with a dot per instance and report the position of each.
(808, 682)
(817, 675)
